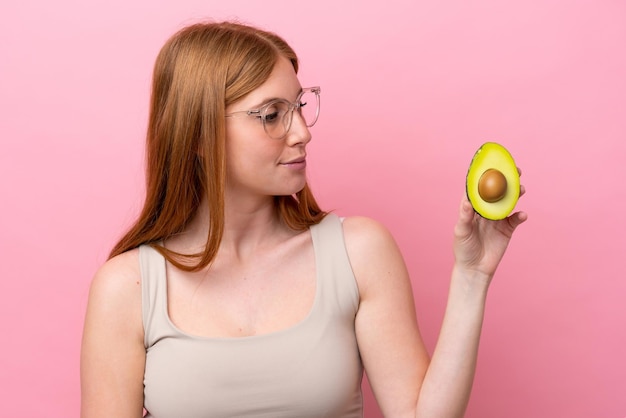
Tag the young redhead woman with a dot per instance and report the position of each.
(234, 294)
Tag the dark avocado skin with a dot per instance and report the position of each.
(492, 155)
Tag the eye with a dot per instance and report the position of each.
(274, 112)
(271, 117)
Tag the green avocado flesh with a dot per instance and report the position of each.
(492, 182)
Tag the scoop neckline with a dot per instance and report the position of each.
(273, 334)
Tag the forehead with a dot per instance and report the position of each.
(282, 83)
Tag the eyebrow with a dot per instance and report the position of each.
(271, 99)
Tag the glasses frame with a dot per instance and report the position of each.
(260, 112)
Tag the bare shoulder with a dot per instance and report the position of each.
(118, 276)
(364, 230)
(115, 290)
(373, 252)
(113, 316)
(367, 239)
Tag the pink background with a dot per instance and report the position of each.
(410, 90)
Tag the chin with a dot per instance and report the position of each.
(290, 191)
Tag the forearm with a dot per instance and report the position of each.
(448, 382)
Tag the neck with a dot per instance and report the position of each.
(248, 226)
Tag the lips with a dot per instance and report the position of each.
(298, 160)
(295, 164)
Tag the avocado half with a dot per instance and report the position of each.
(492, 183)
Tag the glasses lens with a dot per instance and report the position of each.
(309, 107)
(276, 119)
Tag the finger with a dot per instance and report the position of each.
(522, 190)
(517, 219)
(519, 171)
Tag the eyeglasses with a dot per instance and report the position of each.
(277, 115)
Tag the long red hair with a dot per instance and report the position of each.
(200, 71)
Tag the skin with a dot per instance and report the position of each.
(239, 300)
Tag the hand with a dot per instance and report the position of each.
(479, 243)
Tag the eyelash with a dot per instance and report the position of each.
(273, 116)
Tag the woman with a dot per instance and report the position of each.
(234, 294)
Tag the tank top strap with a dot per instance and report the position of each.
(153, 293)
(338, 287)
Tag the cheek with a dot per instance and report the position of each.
(246, 151)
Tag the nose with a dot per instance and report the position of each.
(298, 133)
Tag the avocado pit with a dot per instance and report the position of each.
(492, 185)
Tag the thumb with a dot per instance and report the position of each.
(464, 224)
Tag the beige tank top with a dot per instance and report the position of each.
(311, 369)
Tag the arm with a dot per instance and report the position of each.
(479, 245)
(405, 382)
(112, 354)
(389, 340)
